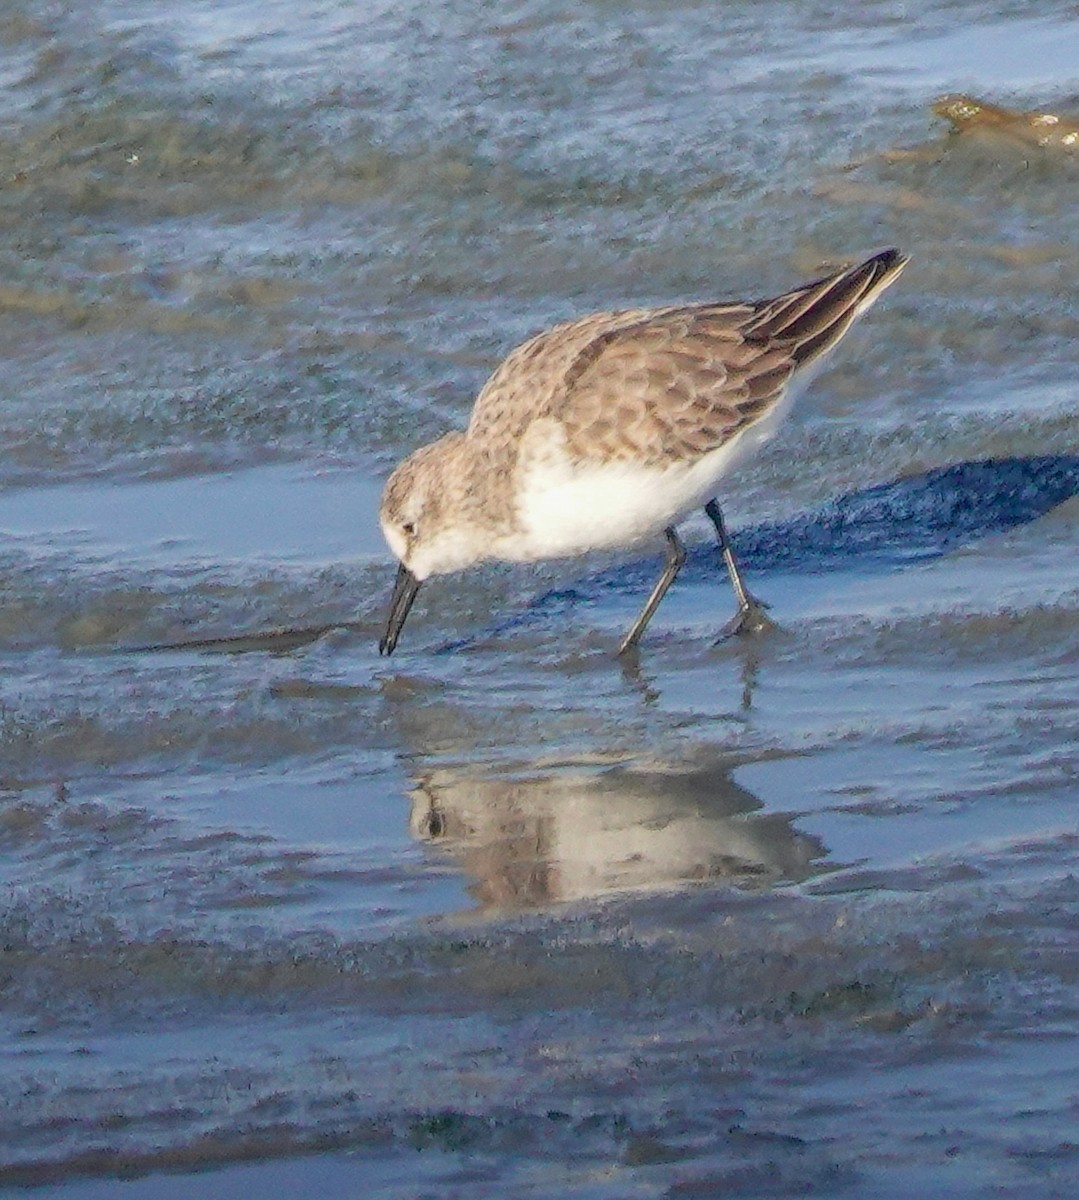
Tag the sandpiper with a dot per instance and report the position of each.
(607, 431)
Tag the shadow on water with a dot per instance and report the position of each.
(912, 519)
(539, 835)
(883, 527)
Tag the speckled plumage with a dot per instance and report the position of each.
(607, 430)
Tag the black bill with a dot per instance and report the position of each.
(405, 587)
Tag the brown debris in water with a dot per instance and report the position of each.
(979, 118)
(1050, 130)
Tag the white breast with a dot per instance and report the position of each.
(565, 509)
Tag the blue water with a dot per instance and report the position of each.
(502, 916)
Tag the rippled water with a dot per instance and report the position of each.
(501, 917)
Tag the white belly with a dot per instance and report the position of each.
(566, 510)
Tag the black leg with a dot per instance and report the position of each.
(676, 556)
(750, 617)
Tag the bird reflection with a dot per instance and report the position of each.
(539, 836)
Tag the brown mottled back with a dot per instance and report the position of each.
(669, 385)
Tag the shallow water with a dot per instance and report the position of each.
(501, 916)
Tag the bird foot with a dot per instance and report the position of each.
(750, 618)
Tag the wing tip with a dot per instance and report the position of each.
(888, 262)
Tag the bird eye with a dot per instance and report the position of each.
(408, 528)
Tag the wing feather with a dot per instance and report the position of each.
(672, 384)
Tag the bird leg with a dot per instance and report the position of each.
(676, 556)
(750, 617)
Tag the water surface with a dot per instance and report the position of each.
(501, 916)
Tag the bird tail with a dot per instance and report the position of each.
(812, 318)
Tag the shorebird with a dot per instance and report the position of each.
(606, 431)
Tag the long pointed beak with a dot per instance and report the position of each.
(405, 587)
